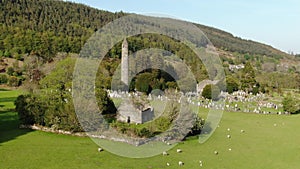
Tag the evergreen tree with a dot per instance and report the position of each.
(291, 104)
(232, 84)
(248, 82)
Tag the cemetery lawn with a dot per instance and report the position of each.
(269, 141)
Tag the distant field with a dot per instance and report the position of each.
(269, 142)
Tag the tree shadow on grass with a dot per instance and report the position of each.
(207, 129)
(9, 126)
(7, 99)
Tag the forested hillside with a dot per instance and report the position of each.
(228, 42)
(45, 27)
(37, 30)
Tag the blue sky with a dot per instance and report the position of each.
(274, 22)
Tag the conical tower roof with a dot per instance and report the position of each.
(125, 43)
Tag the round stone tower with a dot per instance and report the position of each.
(124, 63)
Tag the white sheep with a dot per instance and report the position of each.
(228, 136)
(180, 163)
(229, 149)
(165, 153)
(200, 163)
(242, 131)
(216, 152)
(179, 150)
(168, 164)
(228, 129)
(100, 149)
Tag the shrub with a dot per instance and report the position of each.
(172, 85)
(232, 84)
(22, 105)
(144, 132)
(198, 125)
(47, 109)
(3, 78)
(10, 71)
(13, 81)
(291, 104)
(105, 104)
(162, 123)
(211, 92)
(7, 54)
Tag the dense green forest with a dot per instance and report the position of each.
(45, 27)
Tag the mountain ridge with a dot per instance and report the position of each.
(64, 26)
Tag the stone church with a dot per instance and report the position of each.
(127, 112)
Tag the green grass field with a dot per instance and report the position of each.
(269, 142)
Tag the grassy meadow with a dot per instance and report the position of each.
(269, 141)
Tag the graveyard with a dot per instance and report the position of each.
(256, 139)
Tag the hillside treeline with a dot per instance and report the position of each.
(45, 27)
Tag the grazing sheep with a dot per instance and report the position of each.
(216, 152)
(229, 149)
(228, 129)
(180, 163)
(242, 131)
(168, 143)
(168, 164)
(165, 153)
(179, 150)
(100, 149)
(201, 164)
(228, 136)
